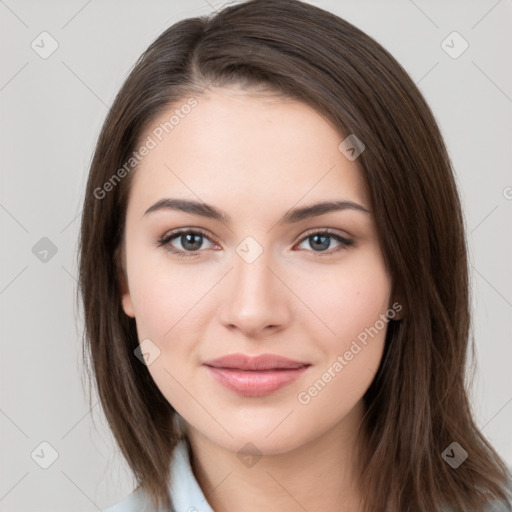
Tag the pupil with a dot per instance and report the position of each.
(191, 236)
(323, 245)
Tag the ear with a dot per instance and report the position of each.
(126, 300)
(122, 281)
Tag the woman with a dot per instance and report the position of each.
(274, 275)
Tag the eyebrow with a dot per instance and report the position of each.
(290, 217)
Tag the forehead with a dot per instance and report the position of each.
(245, 148)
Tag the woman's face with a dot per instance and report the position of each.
(254, 283)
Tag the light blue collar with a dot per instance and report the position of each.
(186, 494)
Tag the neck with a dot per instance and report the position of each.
(316, 476)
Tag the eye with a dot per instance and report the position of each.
(190, 240)
(320, 239)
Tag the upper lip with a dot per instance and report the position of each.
(260, 362)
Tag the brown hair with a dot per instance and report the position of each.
(417, 404)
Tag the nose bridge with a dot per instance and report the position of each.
(257, 298)
(253, 278)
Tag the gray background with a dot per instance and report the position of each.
(52, 110)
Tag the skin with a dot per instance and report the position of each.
(255, 156)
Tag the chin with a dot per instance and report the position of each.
(262, 439)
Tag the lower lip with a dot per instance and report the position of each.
(255, 383)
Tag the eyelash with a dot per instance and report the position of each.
(168, 237)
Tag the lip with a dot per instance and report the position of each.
(261, 362)
(255, 376)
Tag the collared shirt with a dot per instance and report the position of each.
(185, 492)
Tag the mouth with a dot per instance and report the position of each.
(255, 376)
(260, 362)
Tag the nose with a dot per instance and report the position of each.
(256, 300)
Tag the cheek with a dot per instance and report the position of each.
(163, 292)
(352, 305)
(167, 302)
(168, 312)
(352, 308)
(344, 300)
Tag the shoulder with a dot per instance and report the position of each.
(137, 501)
(501, 506)
(498, 506)
(183, 488)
